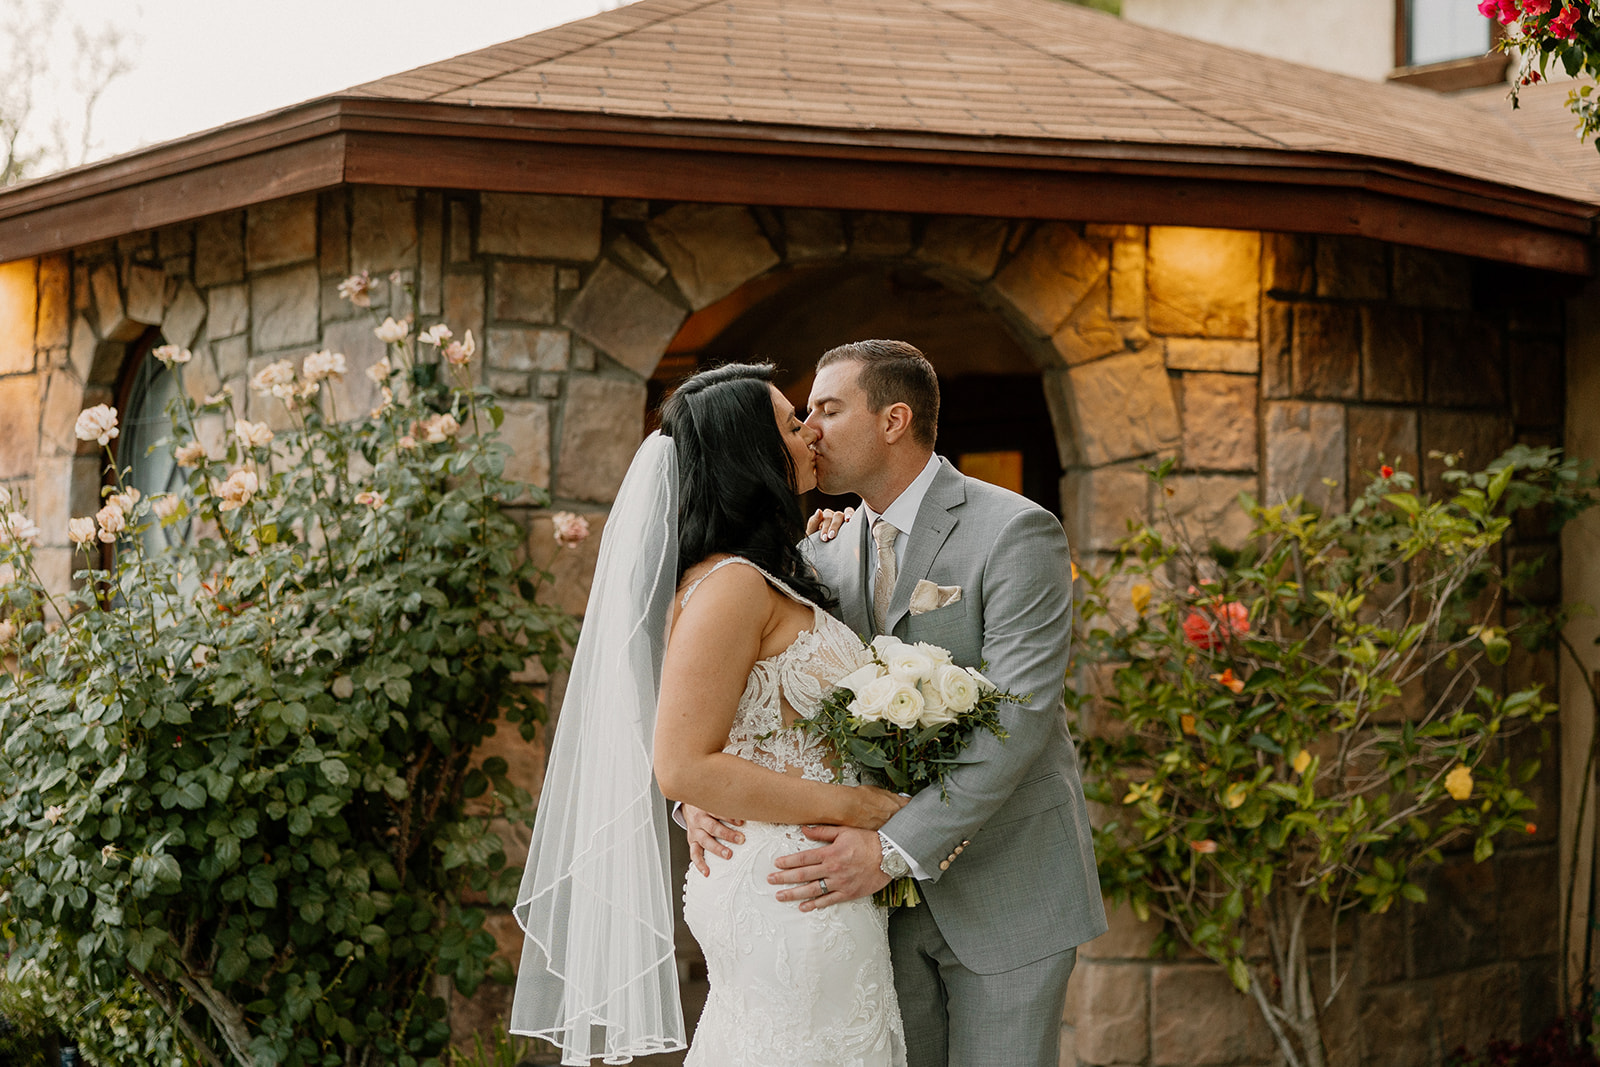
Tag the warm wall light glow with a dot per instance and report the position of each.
(997, 468)
(18, 299)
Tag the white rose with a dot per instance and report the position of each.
(435, 335)
(392, 332)
(934, 652)
(170, 354)
(19, 529)
(190, 455)
(936, 711)
(125, 501)
(379, 372)
(80, 531)
(872, 700)
(326, 364)
(908, 664)
(883, 644)
(166, 506)
(237, 490)
(112, 522)
(253, 434)
(98, 424)
(904, 707)
(957, 688)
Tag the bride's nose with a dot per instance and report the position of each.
(809, 435)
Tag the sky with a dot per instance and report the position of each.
(201, 63)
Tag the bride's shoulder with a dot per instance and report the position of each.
(714, 577)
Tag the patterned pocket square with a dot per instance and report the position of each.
(928, 597)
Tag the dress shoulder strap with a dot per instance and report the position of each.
(778, 583)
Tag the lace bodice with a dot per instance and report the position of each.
(802, 675)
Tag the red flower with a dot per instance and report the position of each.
(1207, 631)
(1386, 471)
(1561, 25)
(1503, 10)
(1535, 7)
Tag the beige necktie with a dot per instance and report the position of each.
(883, 582)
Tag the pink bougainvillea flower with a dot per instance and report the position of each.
(1535, 7)
(1562, 25)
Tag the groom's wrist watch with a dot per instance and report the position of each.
(893, 863)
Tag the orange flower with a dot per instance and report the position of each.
(1186, 722)
(1386, 471)
(1228, 681)
(1530, 829)
(1205, 848)
(1225, 620)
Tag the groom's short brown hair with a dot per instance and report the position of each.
(894, 372)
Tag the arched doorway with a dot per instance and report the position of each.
(994, 423)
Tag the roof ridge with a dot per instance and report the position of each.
(578, 41)
(944, 6)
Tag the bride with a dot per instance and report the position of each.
(702, 605)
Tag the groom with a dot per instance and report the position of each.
(1005, 867)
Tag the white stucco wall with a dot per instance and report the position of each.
(1353, 37)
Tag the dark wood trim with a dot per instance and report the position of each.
(361, 141)
(1452, 76)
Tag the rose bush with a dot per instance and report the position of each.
(1298, 729)
(241, 770)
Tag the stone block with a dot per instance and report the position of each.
(712, 249)
(1423, 278)
(526, 430)
(1204, 283)
(1109, 1005)
(63, 397)
(19, 446)
(228, 311)
(174, 241)
(430, 250)
(1464, 360)
(55, 567)
(463, 303)
(524, 292)
(1326, 351)
(602, 423)
(1530, 905)
(625, 318)
(1219, 422)
(1127, 279)
(63, 487)
(638, 260)
(283, 308)
(84, 352)
(353, 395)
(1538, 381)
(181, 323)
(968, 246)
(459, 233)
(19, 306)
(528, 350)
(550, 386)
(1090, 332)
(1479, 436)
(200, 377)
(1203, 508)
(110, 321)
(1304, 450)
(1100, 502)
(876, 234)
(1122, 407)
(231, 356)
(1051, 275)
(571, 569)
(630, 208)
(1126, 938)
(1198, 1017)
(507, 383)
(1479, 1006)
(383, 228)
(1391, 355)
(1383, 946)
(219, 249)
(1058, 398)
(1288, 264)
(1377, 436)
(1352, 268)
(280, 232)
(546, 227)
(1277, 349)
(55, 302)
(147, 292)
(568, 279)
(1191, 353)
(1458, 926)
(333, 252)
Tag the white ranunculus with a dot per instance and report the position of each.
(392, 332)
(957, 688)
(883, 644)
(934, 652)
(858, 679)
(873, 700)
(80, 531)
(98, 424)
(908, 664)
(904, 707)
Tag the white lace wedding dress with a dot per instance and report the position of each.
(789, 988)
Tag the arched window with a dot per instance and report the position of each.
(147, 391)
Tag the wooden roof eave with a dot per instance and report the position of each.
(325, 143)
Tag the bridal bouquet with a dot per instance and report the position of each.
(905, 716)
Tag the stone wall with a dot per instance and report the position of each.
(1264, 363)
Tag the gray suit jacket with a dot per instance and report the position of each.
(1025, 887)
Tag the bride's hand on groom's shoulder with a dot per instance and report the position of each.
(706, 831)
(828, 522)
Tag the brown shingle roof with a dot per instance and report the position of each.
(991, 68)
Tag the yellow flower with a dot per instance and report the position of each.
(1138, 791)
(1074, 571)
(1302, 760)
(1140, 595)
(1458, 783)
(1234, 797)
(1186, 723)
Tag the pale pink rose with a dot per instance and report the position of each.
(407, 442)
(435, 335)
(112, 521)
(325, 364)
(392, 332)
(98, 424)
(370, 498)
(125, 501)
(190, 455)
(301, 393)
(379, 372)
(253, 434)
(172, 354)
(459, 353)
(570, 530)
(81, 531)
(166, 506)
(437, 429)
(20, 530)
(236, 492)
(276, 379)
(357, 289)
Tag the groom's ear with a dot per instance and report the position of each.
(896, 421)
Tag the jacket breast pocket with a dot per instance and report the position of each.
(948, 627)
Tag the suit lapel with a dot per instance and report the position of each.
(847, 573)
(933, 526)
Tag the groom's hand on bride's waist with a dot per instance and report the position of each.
(707, 832)
(847, 866)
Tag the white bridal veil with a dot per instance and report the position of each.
(598, 977)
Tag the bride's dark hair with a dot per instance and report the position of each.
(736, 479)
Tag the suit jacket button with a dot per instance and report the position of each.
(944, 865)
